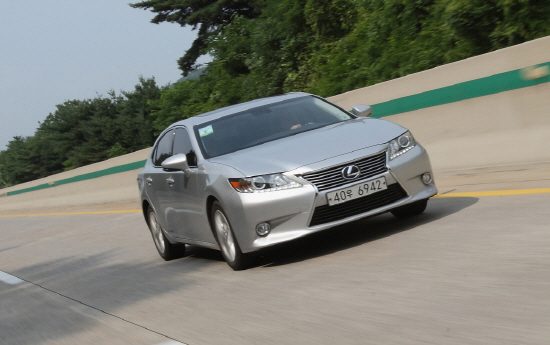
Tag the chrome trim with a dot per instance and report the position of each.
(331, 177)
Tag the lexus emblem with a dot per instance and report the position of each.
(351, 172)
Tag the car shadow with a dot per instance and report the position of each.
(355, 234)
(203, 253)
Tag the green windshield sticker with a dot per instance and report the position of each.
(206, 131)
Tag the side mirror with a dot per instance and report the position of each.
(176, 163)
(362, 110)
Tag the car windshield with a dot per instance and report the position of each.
(266, 123)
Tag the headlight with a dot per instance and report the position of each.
(401, 144)
(263, 183)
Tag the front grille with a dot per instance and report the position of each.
(326, 214)
(332, 177)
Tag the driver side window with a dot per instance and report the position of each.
(182, 144)
(164, 148)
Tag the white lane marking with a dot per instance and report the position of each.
(9, 279)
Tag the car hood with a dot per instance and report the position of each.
(309, 147)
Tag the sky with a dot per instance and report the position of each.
(60, 50)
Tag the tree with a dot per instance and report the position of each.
(209, 16)
(92, 130)
(133, 122)
(18, 161)
(493, 24)
(81, 132)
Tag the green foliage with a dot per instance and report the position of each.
(17, 162)
(182, 100)
(81, 132)
(4, 183)
(494, 24)
(116, 150)
(206, 15)
(380, 48)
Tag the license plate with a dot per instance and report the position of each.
(356, 191)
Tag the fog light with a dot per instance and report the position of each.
(263, 229)
(427, 178)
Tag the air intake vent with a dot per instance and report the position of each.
(326, 214)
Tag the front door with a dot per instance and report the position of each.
(185, 203)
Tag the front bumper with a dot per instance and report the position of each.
(301, 211)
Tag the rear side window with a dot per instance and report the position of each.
(164, 148)
(182, 144)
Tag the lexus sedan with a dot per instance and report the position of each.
(252, 175)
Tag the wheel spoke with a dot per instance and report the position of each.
(225, 237)
(157, 232)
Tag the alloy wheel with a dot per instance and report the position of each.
(156, 230)
(225, 236)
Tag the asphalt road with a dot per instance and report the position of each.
(470, 270)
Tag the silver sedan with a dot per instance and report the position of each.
(256, 174)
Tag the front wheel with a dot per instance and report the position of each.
(226, 239)
(168, 251)
(410, 210)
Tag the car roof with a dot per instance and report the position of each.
(233, 109)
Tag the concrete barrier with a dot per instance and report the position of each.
(501, 128)
(505, 122)
(105, 185)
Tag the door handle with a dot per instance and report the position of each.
(149, 181)
(170, 180)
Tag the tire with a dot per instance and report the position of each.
(168, 251)
(226, 239)
(410, 210)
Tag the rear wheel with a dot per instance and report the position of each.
(410, 210)
(168, 251)
(226, 239)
